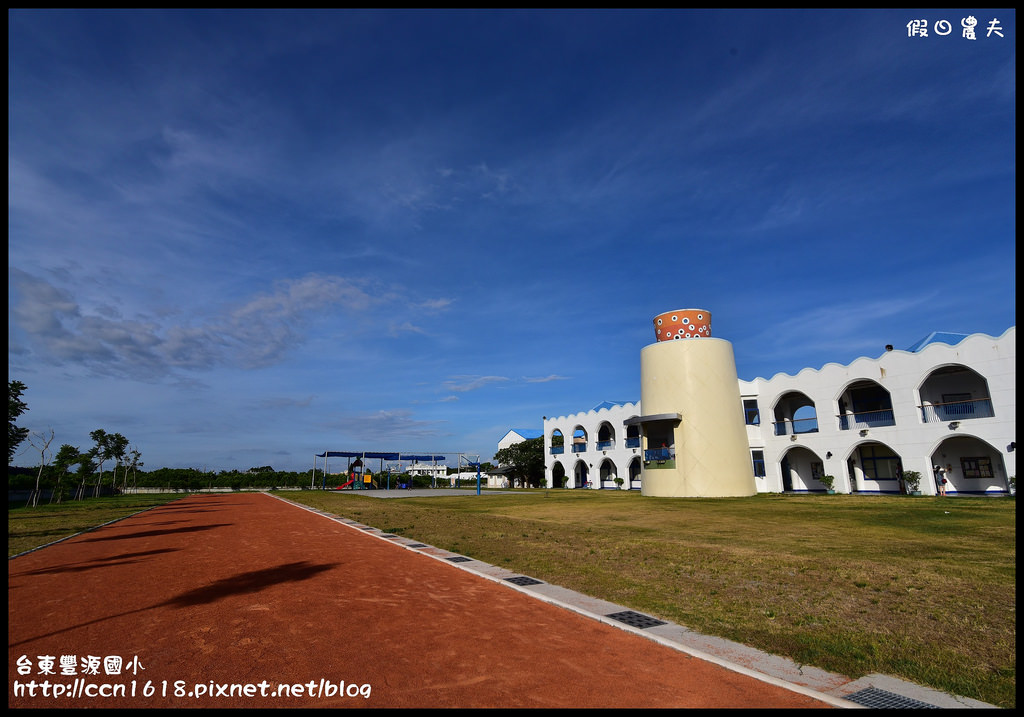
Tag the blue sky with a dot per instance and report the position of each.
(242, 238)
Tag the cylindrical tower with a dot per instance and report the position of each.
(693, 428)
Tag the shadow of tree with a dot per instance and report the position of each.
(250, 582)
(152, 533)
(122, 559)
(243, 583)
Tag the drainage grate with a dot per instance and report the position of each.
(523, 580)
(635, 619)
(876, 698)
(366, 527)
(459, 559)
(416, 545)
(388, 535)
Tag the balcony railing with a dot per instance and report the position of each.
(659, 454)
(798, 425)
(866, 419)
(957, 411)
(557, 449)
(605, 445)
(579, 447)
(632, 443)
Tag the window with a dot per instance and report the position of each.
(879, 462)
(977, 467)
(758, 459)
(750, 412)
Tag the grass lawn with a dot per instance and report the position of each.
(921, 588)
(29, 528)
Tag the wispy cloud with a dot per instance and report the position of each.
(834, 331)
(405, 328)
(545, 379)
(384, 427)
(256, 333)
(435, 304)
(284, 402)
(472, 383)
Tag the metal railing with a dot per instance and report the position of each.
(659, 454)
(796, 426)
(957, 410)
(866, 419)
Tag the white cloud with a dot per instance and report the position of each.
(259, 332)
(545, 379)
(387, 427)
(471, 383)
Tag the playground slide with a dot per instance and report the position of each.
(346, 485)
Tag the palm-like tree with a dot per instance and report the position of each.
(66, 457)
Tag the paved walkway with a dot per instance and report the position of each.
(247, 600)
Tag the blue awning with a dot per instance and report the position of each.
(383, 456)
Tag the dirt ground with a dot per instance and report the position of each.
(245, 600)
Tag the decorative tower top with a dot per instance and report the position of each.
(683, 324)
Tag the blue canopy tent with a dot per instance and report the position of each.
(363, 455)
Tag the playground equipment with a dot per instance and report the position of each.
(364, 479)
(470, 464)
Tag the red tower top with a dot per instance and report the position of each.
(683, 324)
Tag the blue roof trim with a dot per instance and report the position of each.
(610, 404)
(527, 433)
(940, 337)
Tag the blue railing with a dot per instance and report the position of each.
(579, 447)
(957, 411)
(632, 443)
(557, 449)
(658, 454)
(605, 445)
(866, 419)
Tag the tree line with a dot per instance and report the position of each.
(113, 465)
(76, 473)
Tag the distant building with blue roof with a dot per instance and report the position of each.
(940, 337)
(517, 435)
(609, 405)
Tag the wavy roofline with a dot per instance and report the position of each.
(940, 345)
(592, 411)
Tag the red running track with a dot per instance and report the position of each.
(218, 601)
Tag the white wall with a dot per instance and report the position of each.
(918, 444)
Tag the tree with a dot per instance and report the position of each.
(101, 451)
(118, 445)
(15, 407)
(526, 461)
(85, 468)
(134, 463)
(66, 457)
(41, 442)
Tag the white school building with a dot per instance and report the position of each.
(944, 407)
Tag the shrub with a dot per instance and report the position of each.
(912, 479)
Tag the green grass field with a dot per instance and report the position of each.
(916, 587)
